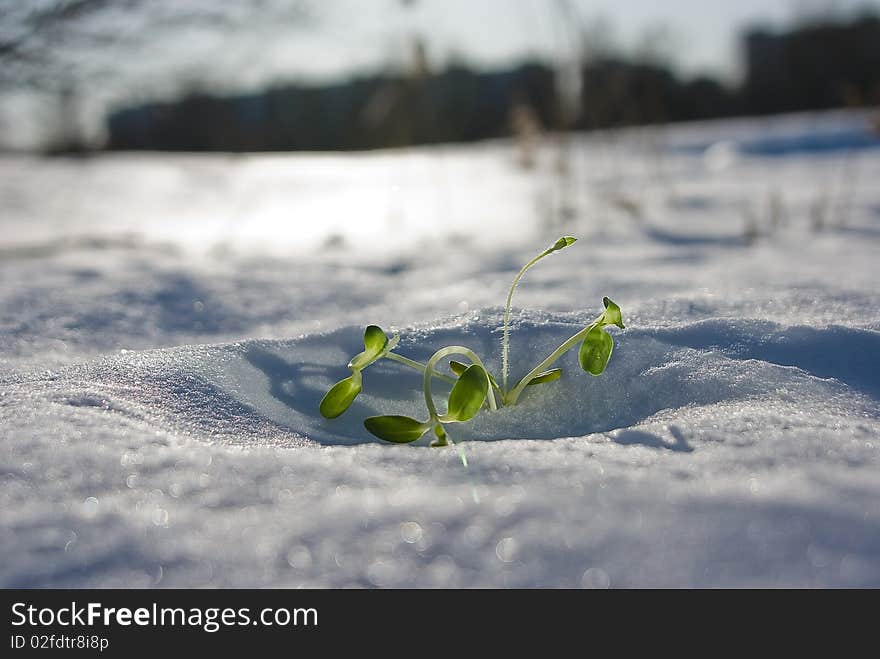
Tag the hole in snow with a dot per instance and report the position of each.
(267, 392)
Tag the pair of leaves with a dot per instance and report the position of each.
(595, 351)
(375, 344)
(612, 314)
(465, 400)
(562, 243)
(342, 394)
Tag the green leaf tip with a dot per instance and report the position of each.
(562, 243)
(547, 376)
(375, 343)
(341, 396)
(468, 394)
(396, 429)
(595, 351)
(458, 368)
(612, 315)
(374, 338)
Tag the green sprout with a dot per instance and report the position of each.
(473, 387)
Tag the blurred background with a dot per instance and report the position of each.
(80, 76)
(197, 171)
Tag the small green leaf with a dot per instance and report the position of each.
(374, 339)
(375, 342)
(458, 368)
(442, 439)
(562, 243)
(595, 351)
(547, 376)
(341, 395)
(612, 315)
(468, 394)
(396, 429)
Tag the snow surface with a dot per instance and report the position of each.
(168, 324)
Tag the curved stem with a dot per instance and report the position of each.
(560, 244)
(400, 359)
(429, 373)
(505, 341)
(570, 343)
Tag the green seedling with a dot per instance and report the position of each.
(473, 387)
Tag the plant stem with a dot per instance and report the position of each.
(511, 398)
(400, 359)
(429, 373)
(505, 341)
(562, 243)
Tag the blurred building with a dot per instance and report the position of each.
(456, 105)
(816, 66)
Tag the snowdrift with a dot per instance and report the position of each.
(266, 393)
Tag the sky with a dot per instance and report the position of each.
(703, 33)
(123, 52)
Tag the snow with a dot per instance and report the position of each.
(168, 324)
